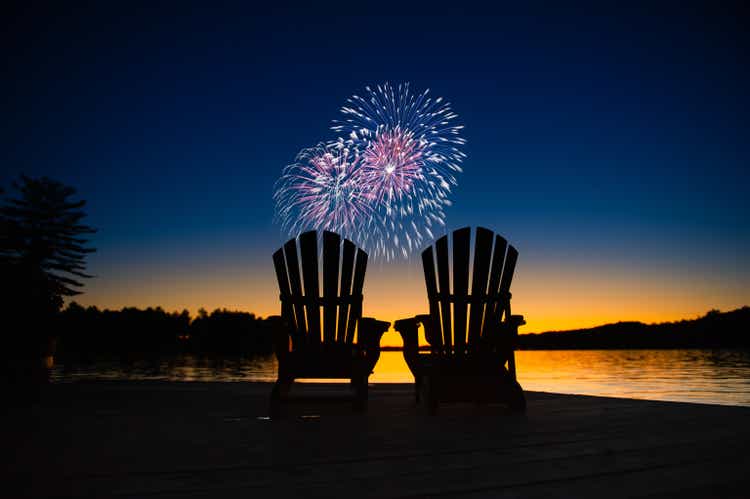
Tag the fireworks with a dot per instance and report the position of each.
(320, 189)
(389, 113)
(386, 180)
(391, 164)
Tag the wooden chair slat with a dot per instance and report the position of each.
(331, 253)
(279, 266)
(295, 283)
(359, 281)
(508, 270)
(308, 245)
(510, 267)
(347, 270)
(498, 259)
(428, 263)
(287, 310)
(482, 251)
(461, 247)
(444, 279)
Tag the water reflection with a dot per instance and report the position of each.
(178, 368)
(708, 376)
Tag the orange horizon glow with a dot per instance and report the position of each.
(550, 298)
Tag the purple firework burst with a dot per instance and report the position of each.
(321, 190)
(391, 164)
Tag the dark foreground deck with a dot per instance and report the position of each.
(128, 439)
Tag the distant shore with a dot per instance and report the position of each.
(90, 333)
(713, 330)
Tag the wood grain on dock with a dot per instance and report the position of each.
(158, 439)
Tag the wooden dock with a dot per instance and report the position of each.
(212, 440)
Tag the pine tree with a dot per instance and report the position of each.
(43, 245)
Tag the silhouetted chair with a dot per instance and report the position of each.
(303, 348)
(466, 363)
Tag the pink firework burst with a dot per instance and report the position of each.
(391, 164)
(322, 190)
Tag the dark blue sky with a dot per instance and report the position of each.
(595, 137)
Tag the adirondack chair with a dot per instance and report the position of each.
(303, 348)
(466, 364)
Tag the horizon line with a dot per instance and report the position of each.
(260, 317)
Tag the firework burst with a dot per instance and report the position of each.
(410, 158)
(320, 190)
(391, 164)
(385, 182)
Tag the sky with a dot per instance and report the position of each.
(609, 147)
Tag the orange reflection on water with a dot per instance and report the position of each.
(707, 376)
(391, 368)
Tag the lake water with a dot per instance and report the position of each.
(705, 376)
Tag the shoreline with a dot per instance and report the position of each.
(333, 384)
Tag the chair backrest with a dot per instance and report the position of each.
(301, 300)
(489, 300)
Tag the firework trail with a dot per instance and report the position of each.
(385, 182)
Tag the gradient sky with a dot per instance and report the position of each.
(611, 148)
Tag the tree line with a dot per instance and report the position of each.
(87, 332)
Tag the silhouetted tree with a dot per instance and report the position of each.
(43, 241)
(42, 259)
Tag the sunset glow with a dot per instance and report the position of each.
(551, 298)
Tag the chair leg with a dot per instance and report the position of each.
(428, 394)
(432, 399)
(360, 393)
(279, 392)
(516, 399)
(274, 403)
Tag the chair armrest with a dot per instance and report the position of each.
(371, 332)
(512, 323)
(516, 320)
(281, 333)
(504, 335)
(431, 331)
(409, 330)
